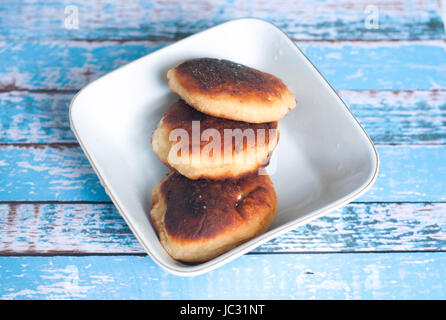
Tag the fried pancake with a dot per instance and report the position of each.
(197, 220)
(230, 90)
(201, 146)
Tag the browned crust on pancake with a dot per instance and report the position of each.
(181, 115)
(204, 209)
(215, 77)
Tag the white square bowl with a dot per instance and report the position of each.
(324, 158)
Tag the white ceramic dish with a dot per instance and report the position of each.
(323, 161)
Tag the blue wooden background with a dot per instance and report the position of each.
(60, 236)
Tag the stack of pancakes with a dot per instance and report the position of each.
(216, 138)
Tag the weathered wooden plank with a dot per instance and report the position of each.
(398, 117)
(390, 65)
(63, 65)
(369, 227)
(409, 173)
(380, 65)
(48, 173)
(64, 228)
(29, 117)
(98, 229)
(263, 276)
(36, 173)
(314, 19)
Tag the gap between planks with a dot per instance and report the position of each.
(38, 202)
(143, 254)
(169, 41)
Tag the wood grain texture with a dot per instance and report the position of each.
(107, 19)
(285, 276)
(395, 88)
(34, 173)
(400, 117)
(63, 65)
(29, 117)
(99, 229)
(409, 173)
(62, 173)
(70, 65)
(369, 227)
(397, 117)
(64, 228)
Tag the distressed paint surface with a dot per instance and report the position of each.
(35, 117)
(400, 117)
(396, 117)
(70, 65)
(59, 65)
(64, 228)
(63, 173)
(378, 65)
(369, 227)
(332, 20)
(409, 173)
(34, 173)
(285, 276)
(395, 88)
(98, 228)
